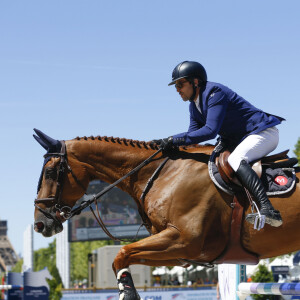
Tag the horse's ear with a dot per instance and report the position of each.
(50, 144)
(40, 142)
(45, 138)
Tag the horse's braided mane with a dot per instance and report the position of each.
(133, 143)
(126, 142)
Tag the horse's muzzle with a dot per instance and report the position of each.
(47, 227)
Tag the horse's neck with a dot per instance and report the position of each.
(109, 161)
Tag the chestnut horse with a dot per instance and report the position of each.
(188, 216)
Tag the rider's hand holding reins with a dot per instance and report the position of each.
(164, 144)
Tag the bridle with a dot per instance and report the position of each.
(64, 212)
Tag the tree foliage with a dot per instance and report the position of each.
(263, 275)
(55, 284)
(46, 257)
(18, 266)
(79, 256)
(297, 149)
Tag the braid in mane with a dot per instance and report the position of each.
(126, 142)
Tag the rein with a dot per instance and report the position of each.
(66, 212)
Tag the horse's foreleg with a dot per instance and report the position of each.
(160, 249)
(163, 246)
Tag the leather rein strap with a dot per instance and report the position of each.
(141, 204)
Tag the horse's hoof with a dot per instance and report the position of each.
(127, 290)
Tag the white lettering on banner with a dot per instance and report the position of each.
(151, 295)
(182, 295)
(88, 296)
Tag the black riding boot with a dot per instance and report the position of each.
(253, 184)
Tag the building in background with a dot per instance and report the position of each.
(101, 274)
(2, 265)
(7, 252)
(28, 249)
(63, 256)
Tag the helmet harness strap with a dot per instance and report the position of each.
(195, 86)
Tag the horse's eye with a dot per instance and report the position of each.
(51, 173)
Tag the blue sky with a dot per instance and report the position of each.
(80, 68)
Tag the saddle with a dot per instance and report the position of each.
(235, 251)
(279, 160)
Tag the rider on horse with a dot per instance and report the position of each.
(216, 109)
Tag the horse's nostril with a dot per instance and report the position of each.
(39, 226)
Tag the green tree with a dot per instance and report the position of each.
(263, 275)
(55, 284)
(79, 253)
(297, 149)
(46, 257)
(18, 266)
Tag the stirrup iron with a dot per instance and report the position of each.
(259, 219)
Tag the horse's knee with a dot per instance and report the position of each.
(121, 260)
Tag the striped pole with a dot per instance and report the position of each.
(245, 289)
(9, 287)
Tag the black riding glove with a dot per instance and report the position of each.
(220, 145)
(165, 144)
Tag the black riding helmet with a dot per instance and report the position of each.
(191, 69)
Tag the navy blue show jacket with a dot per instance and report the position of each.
(226, 113)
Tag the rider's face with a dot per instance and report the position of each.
(184, 88)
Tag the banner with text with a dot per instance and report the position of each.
(190, 294)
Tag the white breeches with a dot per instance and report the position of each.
(254, 147)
